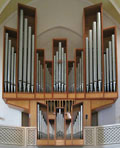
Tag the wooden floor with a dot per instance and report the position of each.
(105, 146)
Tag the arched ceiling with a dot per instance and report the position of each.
(7, 7)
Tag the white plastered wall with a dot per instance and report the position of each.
(57, 19)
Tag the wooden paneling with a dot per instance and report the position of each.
(33, 113)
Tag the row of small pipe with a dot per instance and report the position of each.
(26, 55)
(78, 124)
(41, 123)
(10, 66)
(94, 57)
(110, 66)
(40, 75)
(80, 74)
(60, 69)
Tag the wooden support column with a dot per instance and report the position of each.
(33, 113)
(87, 113)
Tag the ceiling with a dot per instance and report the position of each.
(7, 7)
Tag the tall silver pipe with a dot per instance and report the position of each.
(41, 77)
(91, 60)
(37, 76)
(57, 71)
(62, 71)
(95, 56)
(9, 65)
(54, 73)
(108, 79)
(82, 89)
(29, 59)
(99, 47)
(81, 111)
(14, 72)
(20, 51)
(111, 69)
(60, 57)
(73, 75)
(80, 75)
(6, 63)
(114, 62)
(46, 78)
(25, 54)
(105, 76)
(87, 66)
(12, 69)
(65, 72)
(32, 66)
(38, 120)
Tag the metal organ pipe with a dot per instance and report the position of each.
(91, 60)
(57, 71)
(32, 66)
(87, 66)
(107, 59)
(6, 63)
(25, 54)
(105, 76)
(20, 51)
(29, 59)
(9, 64)
(64, 72)
(54, 73)
(60, 58)
(62, 87)
(39, 74)
(114, 62)
(110, 63)
(99, 47)
(14, 72)
(12, 69)
(95, 56)
(37, 79)
(82, 68)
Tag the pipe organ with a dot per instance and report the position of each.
(60, 94)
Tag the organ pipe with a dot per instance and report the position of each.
(14, 72)
(32, 68)
(37, 77)
(110, 63)
(29, 59)
(87, 66)
(6, 63)
(25, 54)
(12, 69)
(99, 47)
(20, 51)
(91, 60)
(114, 62)
(105, 76)
(107, 59)
(95, 56)
(9, 64)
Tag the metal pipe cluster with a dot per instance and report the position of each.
(10, 66)
(110, 67)
(71, 79)
(41, 123)
(94, 57)
(51, 131)
(80, 75)
(68, 132)
(59, 124)
(26, 55)
(78, 124)
(60, 69)
(40, 75)
(48, 80)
